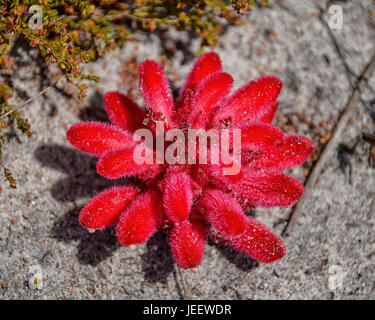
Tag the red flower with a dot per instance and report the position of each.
(194, 201)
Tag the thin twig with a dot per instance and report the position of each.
(29, 100)
(370, 138)
(121, 15)
(137, 18)
(311, 180)
(183, 282)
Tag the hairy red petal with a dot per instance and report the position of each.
(123, 112)
(259, 242)
(269, 114)
(187, 241)
(261, 137)
(209, 94)
(155, 89)
(223, 212)
(98, 138)
(225, 172)
(268, 190)
(120, 163)
(105, 208)
(293, 152)
(251, 101)
(177, 196)
(200, 174)
(141, 219)
(207, 64)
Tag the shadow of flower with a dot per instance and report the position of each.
(81, 178)
(240, 260)
(93, 247)
(81, 181)
(158, 260)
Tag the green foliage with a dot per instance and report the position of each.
(76, 32)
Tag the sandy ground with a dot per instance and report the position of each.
(331, 250)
